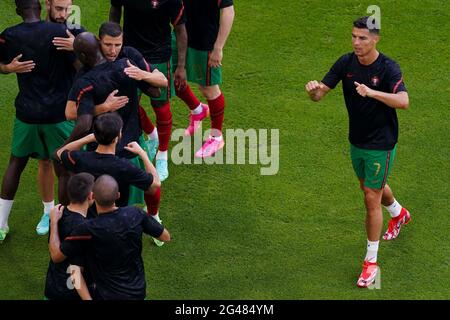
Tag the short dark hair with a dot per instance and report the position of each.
(79, 187)
(28, 4)
(361, 23)
(105, 191)
(107, 127)
(111, 29)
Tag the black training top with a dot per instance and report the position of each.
(147, 26)
(113, 245)
(43, 92)
(93, 89)
(56, 283)
(122, 170)
(373, 125)
(203, 21)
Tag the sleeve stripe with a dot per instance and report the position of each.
(179, 16)
(2, 40)
(219, 2)
(397, 85)
(74, 238)
(82, 92)
(70, 157)
(147, 65)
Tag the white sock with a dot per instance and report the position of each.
(372, 251)
(162, 155)
(48, 206)
(5, 210)
(394, 209)
(156, 217)
(197, 110)
(154, 134)
(219, 138)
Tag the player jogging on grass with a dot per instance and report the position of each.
(373, 89)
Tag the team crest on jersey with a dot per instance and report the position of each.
(375, 81)
(155, 4)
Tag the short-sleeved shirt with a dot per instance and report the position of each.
(373, 125)
(203, 22)
(122, 170)
(113, 245)
(94, 87)
(57, 274)
(43, 92)
(147, 26)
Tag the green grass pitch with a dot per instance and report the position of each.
(298, 234)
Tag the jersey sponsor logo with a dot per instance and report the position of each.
(375, 81)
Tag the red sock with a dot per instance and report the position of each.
(146, 124)
(217, 109)
(152, 202)
(164, 124)
(188, 97)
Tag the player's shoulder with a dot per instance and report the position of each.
(131, 53)
(388, 62)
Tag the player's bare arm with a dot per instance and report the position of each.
(182, 44)
(399, 100)
(54, 242)
(226, 23)
(115, 14)
(316, 90)
(77, 277)
(16, 66)
(76, 145)
(155, 78)
(135, 148)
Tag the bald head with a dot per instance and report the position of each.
(87, 48)
(106, 191)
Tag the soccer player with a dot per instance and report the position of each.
(373, 89)
(107, 133)
(44, 79)
(111, 44)
(208, 25)
(114, 244)
(79, 189)
(147, 27)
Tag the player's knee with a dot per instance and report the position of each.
(210, 92)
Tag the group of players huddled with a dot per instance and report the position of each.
(79, 112)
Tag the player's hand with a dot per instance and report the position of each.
(17, 66)
(313, 86)
(115, 102)
(363, 90)
(64, 43)
(56, 213)
(135, 148)
(215, 58)
(180, 79)
(134, 72)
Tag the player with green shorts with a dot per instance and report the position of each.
(208, 24)
(373, 90)
(44, 79)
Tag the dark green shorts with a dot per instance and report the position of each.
(136, 196)
(166, 69)
(39, 140)
(372, 165)
(197, 68)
